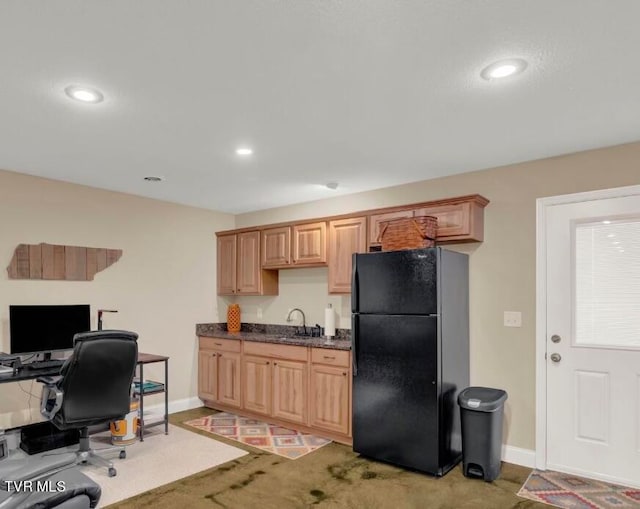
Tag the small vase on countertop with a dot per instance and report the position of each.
(233, 318)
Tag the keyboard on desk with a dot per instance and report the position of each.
(53, 363)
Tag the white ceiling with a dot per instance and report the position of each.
(367, 93)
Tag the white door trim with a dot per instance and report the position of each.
(541, 299)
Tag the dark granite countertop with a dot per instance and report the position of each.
(284, 337)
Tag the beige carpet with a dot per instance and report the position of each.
(159, 460)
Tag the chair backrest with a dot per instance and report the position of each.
(97, 378)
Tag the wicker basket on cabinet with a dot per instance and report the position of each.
(408, 233)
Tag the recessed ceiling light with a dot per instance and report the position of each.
(154, 178)
(332, 185)
(606, 221)
(503, 68)
(84, 94)
(244, 151)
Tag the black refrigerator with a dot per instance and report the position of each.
(410, 351)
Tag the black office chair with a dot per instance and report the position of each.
(94, 387)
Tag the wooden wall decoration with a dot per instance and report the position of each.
(70, 263)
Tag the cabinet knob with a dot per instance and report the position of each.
(344, 374)
(275, 363)
(267, 363)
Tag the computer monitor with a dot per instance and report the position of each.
(37, 329)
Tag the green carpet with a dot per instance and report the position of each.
(333, 476)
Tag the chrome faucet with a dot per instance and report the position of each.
(304, 326)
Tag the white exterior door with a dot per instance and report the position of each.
(593, 338)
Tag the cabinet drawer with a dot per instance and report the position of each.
(226, 345)
(296, 353)
(330, 357)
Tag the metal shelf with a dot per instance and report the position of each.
(145, 358)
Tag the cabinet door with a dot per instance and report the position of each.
(309, 243)
(453, 220)
(226, 265)
(346, 236)
(375, 220)
(229, 378)
(248, 282)
(276, 247)
(290, 391)
(256, 384)
(330, 408)
(207, 375)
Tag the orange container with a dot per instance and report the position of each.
(233, 318)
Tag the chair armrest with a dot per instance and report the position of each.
(33, 469)
(76, 485)
(51, 400)
(49, 380)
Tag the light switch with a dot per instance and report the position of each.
(512, 319)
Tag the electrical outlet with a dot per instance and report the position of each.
(512, 319)
(259, 312)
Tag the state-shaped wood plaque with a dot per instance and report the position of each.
(53, 262)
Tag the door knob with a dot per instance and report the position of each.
(555, 338)
(555, 357)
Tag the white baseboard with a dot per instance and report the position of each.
(177, 405)
(519, 456)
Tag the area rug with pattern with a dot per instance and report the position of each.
(569, 491)
(267, 437)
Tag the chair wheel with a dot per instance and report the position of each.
(123, 455)
(112, 472)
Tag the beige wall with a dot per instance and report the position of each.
(162, 286)
(502, 276)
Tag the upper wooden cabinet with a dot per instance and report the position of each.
(302, 245)
(309, 244)
(346, 236)
(259, 251)
(239, 270)
(276, 247)
(459, 219)
(227, 270)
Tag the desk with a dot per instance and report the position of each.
(27, 374)
(143, 358)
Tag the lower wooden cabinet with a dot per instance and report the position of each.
(275, 387)
(330, 402)
(207, 374)
(219, 371)
(256, 384)
(309, 388)
(290, 391)
(229, 378)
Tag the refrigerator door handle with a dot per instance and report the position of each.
(355, 305)
(354, 345)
